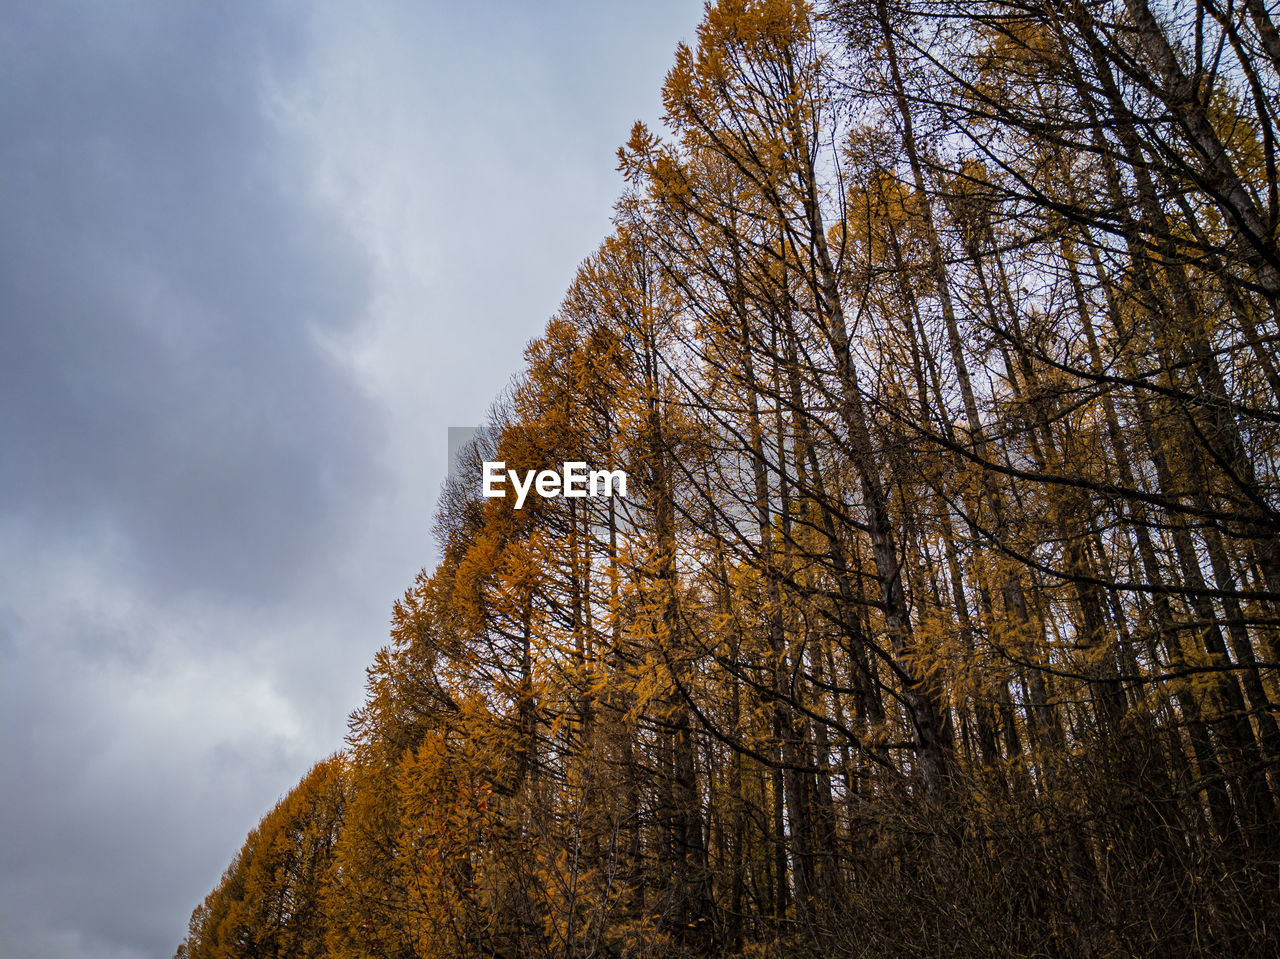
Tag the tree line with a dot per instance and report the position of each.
(942, 616)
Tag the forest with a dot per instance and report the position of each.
(941, 617)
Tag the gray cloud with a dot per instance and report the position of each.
(163, 290)
(174, 426)
(255, 258)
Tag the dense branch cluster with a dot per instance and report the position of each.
(942, 617)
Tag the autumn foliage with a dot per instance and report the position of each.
(942, 617)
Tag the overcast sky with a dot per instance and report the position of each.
(255, 259)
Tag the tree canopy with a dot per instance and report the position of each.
(942, 614)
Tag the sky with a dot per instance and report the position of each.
(256, 257)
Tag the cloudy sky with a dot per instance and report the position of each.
(255, 259)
